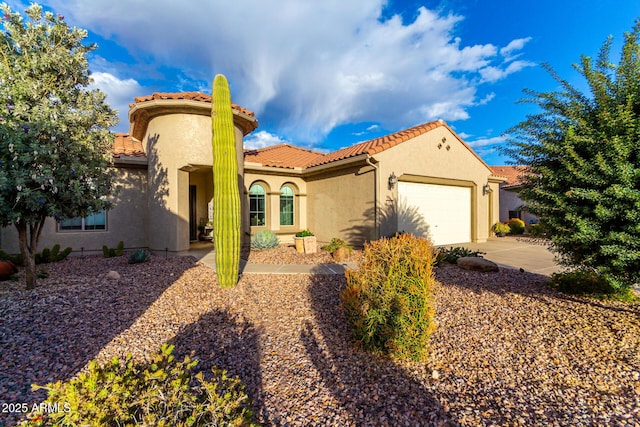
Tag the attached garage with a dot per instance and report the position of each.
(444, 209)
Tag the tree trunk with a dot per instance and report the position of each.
(28, 236)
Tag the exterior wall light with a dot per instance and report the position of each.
(393, 180)
(486, 189)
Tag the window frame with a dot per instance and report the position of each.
(292, 199)
(83, 224)
(256, 197)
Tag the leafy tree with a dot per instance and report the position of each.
(55, 158)
(583, 153)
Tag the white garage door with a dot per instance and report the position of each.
(445, 209)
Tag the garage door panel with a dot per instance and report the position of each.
(445, 209)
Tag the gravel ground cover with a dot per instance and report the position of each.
(507, 351)
(287, 254)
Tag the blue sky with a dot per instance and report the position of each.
(328, 74)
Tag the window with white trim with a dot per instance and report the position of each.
(93, 222)
(257, 205)
(286, 205)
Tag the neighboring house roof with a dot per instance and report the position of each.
(513, 174)
(281, 156)
(125, 145)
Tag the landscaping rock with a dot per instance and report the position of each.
(114, 275)
(7, 269)
(341, 254)
(476, 263)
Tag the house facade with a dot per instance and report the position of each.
(511, 205)
(424, 180)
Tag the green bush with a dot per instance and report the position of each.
(51, 255)
(16, 259)
(304, 233)
(536, 230)
(388, 299)
(336, 244)
(139, 256)
(516, 226)
(500, 228)
(111, 252)
(590, 283)
(160, 392)
(265, 239)
(450, 255)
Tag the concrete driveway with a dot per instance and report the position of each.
(518, 252)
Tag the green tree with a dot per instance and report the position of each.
(55, 158)
(583, 153)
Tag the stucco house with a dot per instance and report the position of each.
(511, 205)
(423, 180)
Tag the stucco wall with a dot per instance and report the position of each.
(341, 204)
(510, 201)
(125, 222)
(272, 184)
(176, 144)
(438, 157)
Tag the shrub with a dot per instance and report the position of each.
(42, 274)
(265, 239)
(516, 226)
(139, 256)
(590, 283)
(536, 230)
(161, 391)
(111, 252)
(336, 244)
(304, 233)
(451, 255)
(388, 299)
(500, 228)
(52, 255)
(16, 259)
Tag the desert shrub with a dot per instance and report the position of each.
(113, 252)
(161, 391)
(516, 226)
(139, 256)
(42, 274)
(16, 259)
(336, 243)
(536, 230)
(304, 233)
(52, 255)
(590, 283)
(265, 239)
(450, 255)
(500, 228)
(388, 300)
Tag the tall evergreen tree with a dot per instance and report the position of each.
(583, 153)
(55, 143)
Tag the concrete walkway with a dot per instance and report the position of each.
(518, 252)
(208, 257)
(507, 252)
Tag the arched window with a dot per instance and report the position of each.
(257, 205)
(286, 205)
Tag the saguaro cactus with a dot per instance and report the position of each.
(226, 195)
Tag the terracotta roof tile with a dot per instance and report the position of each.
(512, 173)
(376, 145)
(282, 156)
(125, 145)
(193, 96)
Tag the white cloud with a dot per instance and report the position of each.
(485, 142)
(263, 139)
(120, 94)
(514, 45)
(307, 67)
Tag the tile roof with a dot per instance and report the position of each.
(512, 173)
(192, 96)
(282, 156)
(125, 145)
(376, 145)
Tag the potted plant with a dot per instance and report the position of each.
(500, 229)
(305, 242)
